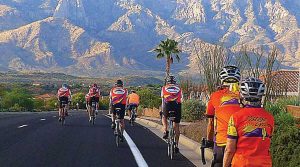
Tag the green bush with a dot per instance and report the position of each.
(17, 100)
(285, 146)
(193, 110)
(149, 99)
(78, 98)
(104, 103)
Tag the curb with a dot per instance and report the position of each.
(189, 143)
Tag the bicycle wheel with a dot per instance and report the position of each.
(63, 117)
(93, 120)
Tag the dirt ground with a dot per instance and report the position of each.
(195, 130)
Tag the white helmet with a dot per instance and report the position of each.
(230, 74)
(252, 89)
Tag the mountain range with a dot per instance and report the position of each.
(113, 38)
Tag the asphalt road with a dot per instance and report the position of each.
(38, 140)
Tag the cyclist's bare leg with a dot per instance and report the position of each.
(164, 122)
(129, 113)
(177, 132)
(113, 118)
(122, 123)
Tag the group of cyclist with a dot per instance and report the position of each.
(239, 129)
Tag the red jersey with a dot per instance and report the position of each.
(64, 92)
(94, 92)
(118, 95)
(171, 92)
(252, 128)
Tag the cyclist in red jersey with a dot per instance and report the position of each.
(63, 94)
(118, 99)
(94, 96)
(222, 104)
(171, 95)
(250, 129)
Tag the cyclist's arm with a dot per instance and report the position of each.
(229, 152)
(210, 112)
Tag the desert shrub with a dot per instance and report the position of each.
(192, 110)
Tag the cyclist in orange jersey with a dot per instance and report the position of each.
(222, 104)
(133, 101)
(250, 129)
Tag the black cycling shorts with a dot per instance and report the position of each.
(172, 106)
(121, 113)
(218, 155)
(62, 100)
(131, 106)
(93, 99)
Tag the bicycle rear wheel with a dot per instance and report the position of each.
(117, 135)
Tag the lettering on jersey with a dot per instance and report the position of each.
(172, 89)
(119, 91)
(256, 127)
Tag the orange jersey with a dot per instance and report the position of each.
(133, 98)
(118, 95)
(171, 92)
(252, 128)
(228, 106)
(215, 102)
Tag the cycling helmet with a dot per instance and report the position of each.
(230, 74)
(119, 83)
(132, 91)
(94, 85)
(171, 80)
(252, 89)
(64, 85)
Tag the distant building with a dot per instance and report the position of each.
(36, 84)
(285, 83)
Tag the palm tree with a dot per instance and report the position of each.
(167, 49)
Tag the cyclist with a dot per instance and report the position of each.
(118, 98)
(133, 101)
(94, 96)
(250, 129)
(222, 104)
(63, 94)
(171, 95)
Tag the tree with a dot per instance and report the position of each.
(167, 49)
(80, 99)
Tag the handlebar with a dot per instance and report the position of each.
(205, 144)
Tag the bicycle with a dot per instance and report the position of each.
(171, 137)
(118, 132)
(132, 116)
(92, 113)
(62, 115)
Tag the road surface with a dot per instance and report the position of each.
(37, 139)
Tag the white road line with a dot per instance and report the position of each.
(54, 116)
(135, 151)
(43, 119)
(22, 126)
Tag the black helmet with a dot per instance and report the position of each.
(132, 91)
(230, 74)
(119, 83)
(252, 89)
(171, 80)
